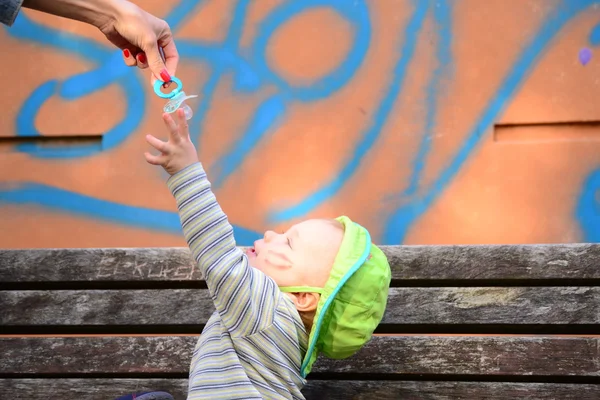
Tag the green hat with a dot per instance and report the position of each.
(353, 300)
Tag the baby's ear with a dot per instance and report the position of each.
(305, 302)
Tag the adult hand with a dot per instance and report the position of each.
(139, 34)
(142, 37)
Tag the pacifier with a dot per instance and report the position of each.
(176, 97)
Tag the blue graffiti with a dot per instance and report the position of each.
(251, 72)
(267, 117)
(371, 135)
(355, 12)
(249, 75)
(442, 12)
(588, 208)
(403, 218)
(595, 36)
(270, 113)
(86, 206)
(587, 211)
(110, 70)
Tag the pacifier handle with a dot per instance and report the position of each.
(158, 84)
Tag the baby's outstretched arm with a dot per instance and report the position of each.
(244, 297)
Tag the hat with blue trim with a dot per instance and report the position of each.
(353, 300)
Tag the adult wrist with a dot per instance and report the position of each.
(93, 12)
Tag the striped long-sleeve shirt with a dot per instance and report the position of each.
(252, 346)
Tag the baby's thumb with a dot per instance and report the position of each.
(156, 64)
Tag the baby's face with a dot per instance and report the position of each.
(301, 256)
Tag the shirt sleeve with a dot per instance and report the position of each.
(244, 297)
(9, 9)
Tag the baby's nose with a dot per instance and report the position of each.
(270, 235)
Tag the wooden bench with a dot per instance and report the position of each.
(463, 322)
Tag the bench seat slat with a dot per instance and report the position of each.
(404, 355)
(487, 305)
(103, 389)
(504, 262)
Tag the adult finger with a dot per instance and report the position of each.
(170, 56)
(161, 35)
(172, 127)
(156, 64)
(129, 59)
(170, 52)
(142, 61)
(155, 160)
(157, 144)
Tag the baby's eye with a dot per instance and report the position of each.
(289, 242)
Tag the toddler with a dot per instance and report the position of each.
(319, 287)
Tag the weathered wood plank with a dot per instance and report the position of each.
(494, 305)
(106, 307)
(393, 390)
(510, 262)
(103, 389)
(111, 264)
(474, 355)
(547, 356)
(487, 305)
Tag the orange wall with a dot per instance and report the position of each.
(428, 122)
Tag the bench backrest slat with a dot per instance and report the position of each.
(497, 262)
(466, 305)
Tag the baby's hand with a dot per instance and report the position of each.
(179, 152)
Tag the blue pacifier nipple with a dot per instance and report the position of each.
(176, 97)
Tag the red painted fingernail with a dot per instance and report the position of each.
(164, 75)
(126, 53)
(142, 58)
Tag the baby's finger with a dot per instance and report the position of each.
(142, 61)
(172, 127)
(129, 59)
(157, 144)
(183, 124)
(155, 160)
